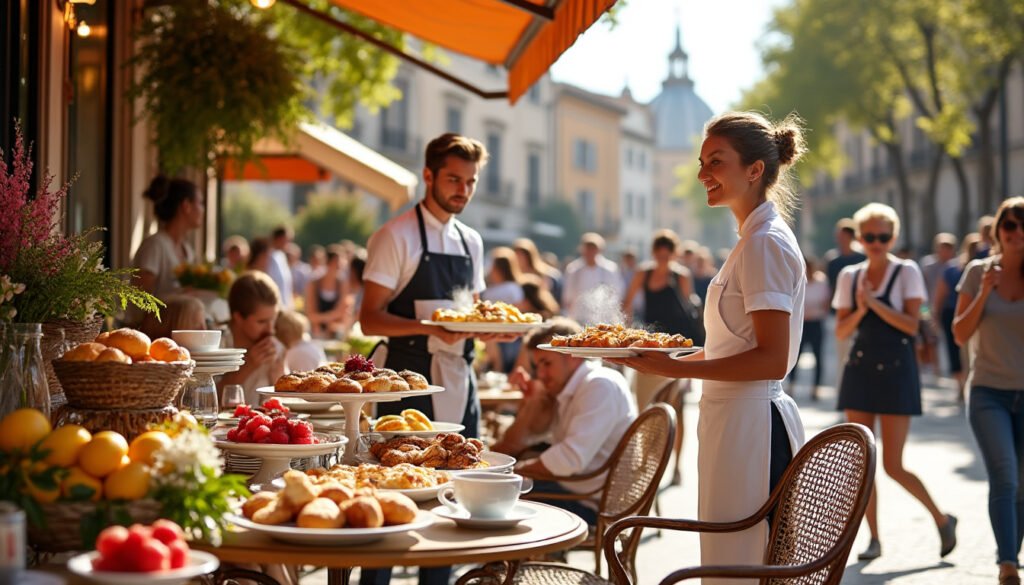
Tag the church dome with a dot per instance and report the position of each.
(679, 113)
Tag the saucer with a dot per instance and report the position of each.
(462, 518)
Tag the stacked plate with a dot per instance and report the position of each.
(218, 361)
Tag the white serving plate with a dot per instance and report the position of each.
(333, 536)
(327, 444)
(229, 352)
(496, 463)
(340, 397)
(427, 494)
(616, 352)
(199, 563)
(220, 362)
(439, 427)
(521, 511)
(299, 405)
(483, 326)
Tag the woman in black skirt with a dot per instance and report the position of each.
(878, 301)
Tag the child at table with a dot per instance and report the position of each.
(301, 354)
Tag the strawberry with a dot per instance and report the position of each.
(244, 436)
(280, 421)
(179, 554)
(280, 436)
(302, 441)
(233, 435)
(301, 429)
(261, 432)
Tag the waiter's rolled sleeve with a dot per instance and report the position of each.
(769, 274)
(383, 260)
(587, 431)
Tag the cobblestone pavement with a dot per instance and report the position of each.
(941, 450)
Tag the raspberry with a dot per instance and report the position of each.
(258, 421)
(280, 436)
(233, 435)
(243, 422)
(280, 421)
(358, 363)
(261, 432)
(244, 436)
(301, 429)
(273, 404)
(243, 410)
(302, 440)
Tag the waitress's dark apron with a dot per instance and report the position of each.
(437, 277)
(881, 374)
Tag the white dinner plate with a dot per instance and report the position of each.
(439, 427)
(615, 352)
(463, 520)
(341, 397)
(484, 326)
(215, 370)
(228, 352)
(333, 536)
(299, 405)
(199, 563)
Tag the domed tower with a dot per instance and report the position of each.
(679, 118)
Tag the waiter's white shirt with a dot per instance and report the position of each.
(394, 251)
(593, 412)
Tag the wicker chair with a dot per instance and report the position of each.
(632, 475)
(818, 507)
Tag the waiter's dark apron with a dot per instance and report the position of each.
(437, 277)
(881, 373)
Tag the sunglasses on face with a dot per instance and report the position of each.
(1009, 225)
(871, 238)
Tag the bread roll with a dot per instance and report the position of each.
(85, 352)
(316, 383)
(275, 513)
(112, 354)
(288, 383)
(415, 381)
(162, 348)
(344, 386)
(378, 384)
(180, 354)
(320, 513)
(362, 512)
(335, 492)
(135, 344)
(258, 501)
(396, 508)
(298, 489)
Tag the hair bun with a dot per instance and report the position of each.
(158, 189)
(789, 141)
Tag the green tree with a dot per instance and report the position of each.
(329, 218)
(251, 215)
(560, 214)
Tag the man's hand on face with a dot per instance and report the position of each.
(264, 350)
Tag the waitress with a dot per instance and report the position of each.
(748, 428)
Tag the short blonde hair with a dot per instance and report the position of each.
(877, 211)
(291, 327)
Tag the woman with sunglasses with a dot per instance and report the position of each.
(990, 316)
(879, 300)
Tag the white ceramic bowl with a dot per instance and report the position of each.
(199, 563)
(195, 340)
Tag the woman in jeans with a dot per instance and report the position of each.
(990, 315)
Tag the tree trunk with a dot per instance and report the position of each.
(906, 195)
(986, 160)
(931, 195)
(965, 216)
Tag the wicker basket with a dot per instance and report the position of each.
(75, 332)
(62, 528)
(112, 385)
(130, 423)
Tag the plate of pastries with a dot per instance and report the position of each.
(329, 512)
(485, 317)
(418, 483)
(447, 451)
(411, 423)
(357, 375)
(613, 341)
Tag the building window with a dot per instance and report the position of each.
(586, 203)
(533, 178)
(453, 118)
(394, 120)
(629, 204)
(629, 157)
(585, 155)
(641, 207)
(534, 93)
(642, 160)
(492, 172)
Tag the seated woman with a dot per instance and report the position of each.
(181, 312)
(325, 297)
(301, 354)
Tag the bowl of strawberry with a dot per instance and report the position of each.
(279, 430)
(156, 554)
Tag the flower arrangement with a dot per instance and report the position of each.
(205, 277)
(7, 291)
(62, 274)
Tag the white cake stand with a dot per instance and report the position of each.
(353, 405)
(276, 459)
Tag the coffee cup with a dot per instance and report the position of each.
(197, 340)
(483, 494)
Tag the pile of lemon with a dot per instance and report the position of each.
(89, 467)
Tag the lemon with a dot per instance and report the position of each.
(131, 482)
(64, 444)
(104, 454)
(145, 445)
(23, 428)
(79, 485)
(39, 493)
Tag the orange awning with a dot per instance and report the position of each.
(494, 31)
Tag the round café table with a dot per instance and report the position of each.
(441, 544)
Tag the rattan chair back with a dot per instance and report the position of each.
(821, 500)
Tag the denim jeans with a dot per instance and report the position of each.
(997, 419)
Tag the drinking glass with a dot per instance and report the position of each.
(231, 396)
(199, 397)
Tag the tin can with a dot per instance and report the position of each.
(12, 542)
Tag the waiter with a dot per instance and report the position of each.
(416, 263)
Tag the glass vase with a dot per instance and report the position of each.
(10, 371)
(32, 389)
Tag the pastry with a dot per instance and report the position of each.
(362, 378)
(396, 508)
(344, 386)
(363, 512)
(415, 381)
(84, 352)
(275, 513)
(397, 384)
(298, 489)
(316, 383)
(256, 502)
(135, 344)
(332, 368)
(288, 383)
(320, 513)
(163, 349)
(487, 312)
(112, 354)
(378, 384)
(335, 491)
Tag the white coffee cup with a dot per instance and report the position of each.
(483, 494)
(197, 340)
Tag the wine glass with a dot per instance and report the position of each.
(199, 397)
(231, 396)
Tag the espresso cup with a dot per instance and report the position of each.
(483, 494)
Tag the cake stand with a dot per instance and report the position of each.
(276, 458)
(353, 405)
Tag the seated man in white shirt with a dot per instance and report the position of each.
(578, 406)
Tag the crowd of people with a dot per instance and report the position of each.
(754, 310)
